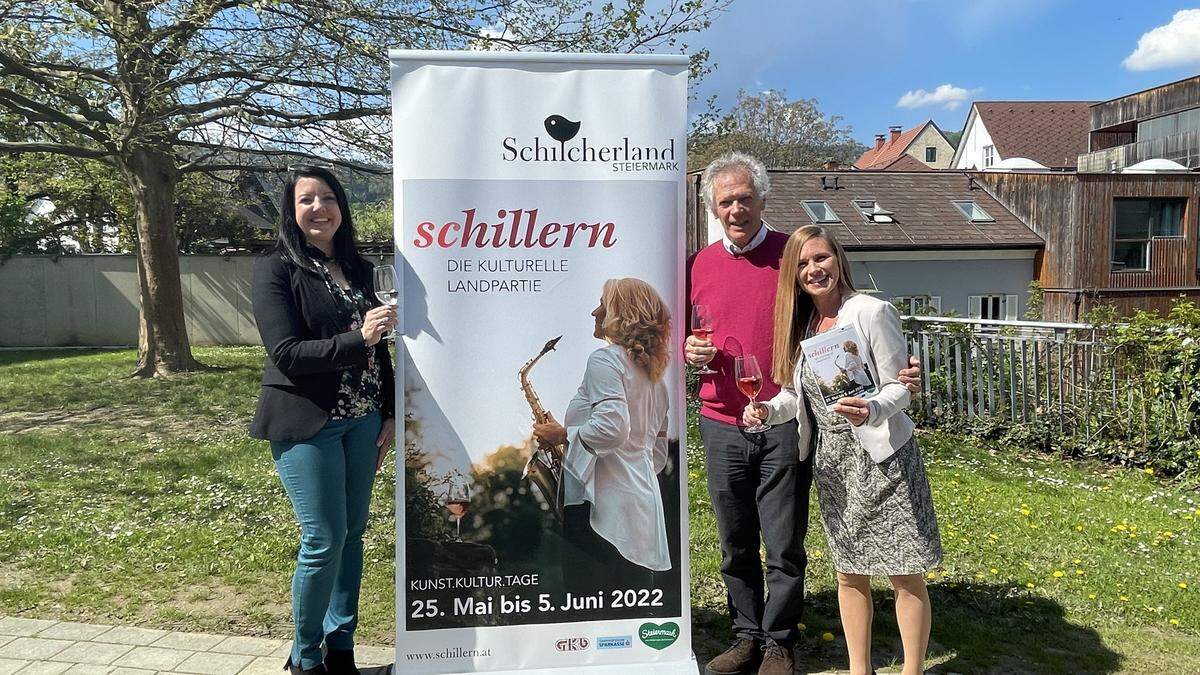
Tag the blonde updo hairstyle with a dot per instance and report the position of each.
(637, 319)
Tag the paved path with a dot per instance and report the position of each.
(44, 647)
(41, 647)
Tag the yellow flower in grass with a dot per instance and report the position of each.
(800, 626)
(932, 574)
(994, 571)
(1028, 584)
(827, 636)
(1173, 622)
(1076, 560)
(1079, 528)
(817, 553)
(1091, 596)
(1058, 574)
(1148, 471)
(1024, 511)
(1183, 585)
(1123, 598)
(1078, 573)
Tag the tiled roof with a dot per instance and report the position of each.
(1051, 133)
(905, 162)
(889, 151)
(921, 201)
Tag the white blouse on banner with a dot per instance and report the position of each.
(616, 434)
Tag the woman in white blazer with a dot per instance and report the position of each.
(871, 486)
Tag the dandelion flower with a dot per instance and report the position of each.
(800, 626)
(1058, 574)
(1123, 598)
(1148, 471)
(1173, 622)
(817, 553)
(1183, 585)
(1076, 560)
(1091, 596)
(827, 636)
(1028, 584)
(994, 571)
(1078, 573)
(1079, 528)
(932, 575)
(1024, 512)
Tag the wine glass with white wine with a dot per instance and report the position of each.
(386, 291)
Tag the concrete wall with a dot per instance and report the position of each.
(93, 300)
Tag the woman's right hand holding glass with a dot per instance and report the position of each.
(377, 322)
(754, 414)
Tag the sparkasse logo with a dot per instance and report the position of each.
(575, 644)
(615, 642)
(623, 154)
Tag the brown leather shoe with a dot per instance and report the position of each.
(741, 657)
(777, 660)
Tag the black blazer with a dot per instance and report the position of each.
(308, 346)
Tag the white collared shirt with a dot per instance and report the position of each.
(616, 445)
(734, 249)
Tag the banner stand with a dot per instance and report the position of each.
(539, 223)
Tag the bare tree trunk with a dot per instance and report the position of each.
(163, 347)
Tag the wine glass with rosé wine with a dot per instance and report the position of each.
(702, 329)
(749, 382)
(458, 500)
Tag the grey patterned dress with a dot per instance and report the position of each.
(878, 518)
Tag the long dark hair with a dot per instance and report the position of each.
(290, 241)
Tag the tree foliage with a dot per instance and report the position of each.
(780, 132)
(160, 89)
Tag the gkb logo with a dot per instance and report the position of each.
(572, 644)
(615, 642)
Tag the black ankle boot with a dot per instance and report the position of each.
(294, 669)
(340, 662)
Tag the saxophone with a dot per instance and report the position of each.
(544, 468)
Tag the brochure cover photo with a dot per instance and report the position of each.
(837, 358)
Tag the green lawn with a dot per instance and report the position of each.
(144, 502)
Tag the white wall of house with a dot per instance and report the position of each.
(964, 282)
(971, 146)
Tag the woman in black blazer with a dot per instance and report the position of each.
(327, 405)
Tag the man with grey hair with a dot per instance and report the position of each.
(757, 485)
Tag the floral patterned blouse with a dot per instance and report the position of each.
(359, 392)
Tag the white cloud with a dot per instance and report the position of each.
(1175, 44)
(946, 95)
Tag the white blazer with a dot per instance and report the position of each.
(887, 428)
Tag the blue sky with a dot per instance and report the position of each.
(859, 58)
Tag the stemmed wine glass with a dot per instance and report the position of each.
(458, 500)
(702, 328)
(749, 382)
(385, 290)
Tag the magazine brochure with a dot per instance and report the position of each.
(838, 360)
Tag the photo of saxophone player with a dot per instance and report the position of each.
(615, 435)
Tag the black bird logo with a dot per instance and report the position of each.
(561, 129)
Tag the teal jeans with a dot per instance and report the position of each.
(328, 479)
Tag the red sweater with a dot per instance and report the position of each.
(740, 294)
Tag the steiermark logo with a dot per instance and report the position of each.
(659, 636)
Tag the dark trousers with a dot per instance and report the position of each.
(758, 486)
(590, 563)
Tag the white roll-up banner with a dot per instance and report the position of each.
(534, 192)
